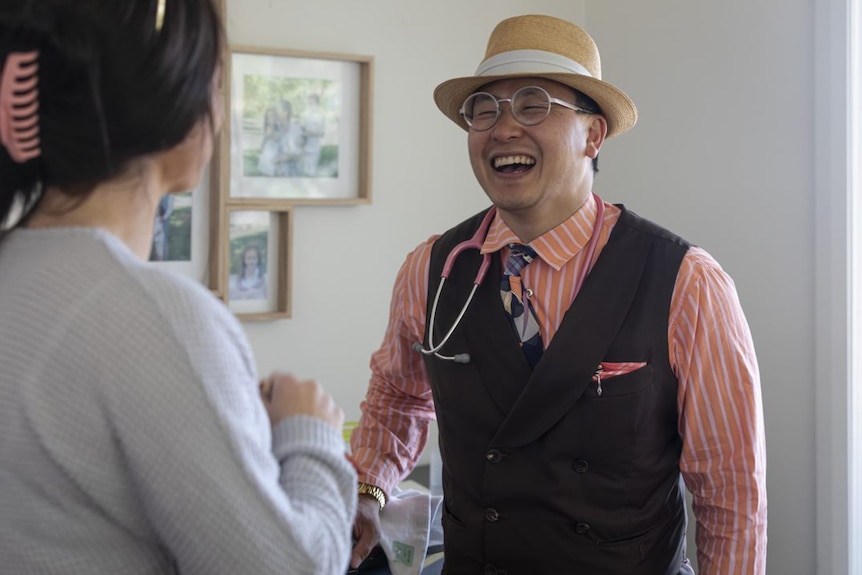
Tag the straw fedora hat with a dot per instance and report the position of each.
(541, 47)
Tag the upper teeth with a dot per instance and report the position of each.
(509, 160)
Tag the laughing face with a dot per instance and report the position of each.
(536, 175)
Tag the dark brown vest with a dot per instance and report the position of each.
(541, 473)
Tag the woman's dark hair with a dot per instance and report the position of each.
(113, 86)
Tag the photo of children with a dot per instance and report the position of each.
(172, 229)
(290, 127)
(249, 240)
(250, 280)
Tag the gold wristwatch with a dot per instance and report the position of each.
(374, 492)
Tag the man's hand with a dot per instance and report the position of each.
(366, 528)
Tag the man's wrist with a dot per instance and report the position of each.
(373, 491)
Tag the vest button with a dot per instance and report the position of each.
(491, 514)
(581, 466)
(494, 456)
(582, 528)
(490, 570)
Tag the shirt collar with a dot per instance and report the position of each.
(556, 246)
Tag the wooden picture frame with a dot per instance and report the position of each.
(183, 228)
(216, 175)
(187, 225)
(298, 126)
(256, 273)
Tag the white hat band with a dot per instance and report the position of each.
(529, 62)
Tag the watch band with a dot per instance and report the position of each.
(374, 492)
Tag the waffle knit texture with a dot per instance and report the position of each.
(132, 437)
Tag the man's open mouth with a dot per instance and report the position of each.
(513, 164)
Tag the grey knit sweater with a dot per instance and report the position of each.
(132, 437)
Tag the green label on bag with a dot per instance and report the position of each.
(403, 553)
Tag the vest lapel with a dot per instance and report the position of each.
(503, 374)
(592, 322)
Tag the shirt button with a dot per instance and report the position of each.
(494, 456)
(582, 528)
(491, 514)
(581, 466)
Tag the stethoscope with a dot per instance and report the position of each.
(476, 242)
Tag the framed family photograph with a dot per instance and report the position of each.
(182, 231)
(259, 260)
(299, 126)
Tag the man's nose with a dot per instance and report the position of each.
(506, 126)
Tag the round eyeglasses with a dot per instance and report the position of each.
(530, 106)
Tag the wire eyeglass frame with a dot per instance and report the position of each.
(516, 113)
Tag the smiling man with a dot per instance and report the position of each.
(596, 367)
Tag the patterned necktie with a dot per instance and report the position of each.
(523, 320)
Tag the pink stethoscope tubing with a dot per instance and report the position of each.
(476, 242)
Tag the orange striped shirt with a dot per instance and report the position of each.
(723, 459)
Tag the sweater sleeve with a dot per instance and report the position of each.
(224, 492)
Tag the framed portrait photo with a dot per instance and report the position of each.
(299, 126)
(181, 231)
(258, 253)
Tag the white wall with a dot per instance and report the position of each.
(346, 258)
(722, 155)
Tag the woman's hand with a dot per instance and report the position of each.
(283, 395)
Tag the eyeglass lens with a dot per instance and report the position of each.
(530, 105)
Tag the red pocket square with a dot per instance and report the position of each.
(609, 369)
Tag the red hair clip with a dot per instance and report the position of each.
(19, 106)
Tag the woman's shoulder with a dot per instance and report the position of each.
(154, 292)
(188, 314)
(177, 297)
(91, 281)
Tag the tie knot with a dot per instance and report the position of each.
(520, 256)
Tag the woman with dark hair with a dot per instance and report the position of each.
(134, 435)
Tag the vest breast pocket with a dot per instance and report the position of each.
(617, 379)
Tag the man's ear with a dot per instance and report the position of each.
(596, 133)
